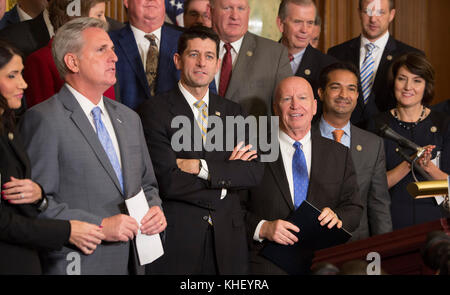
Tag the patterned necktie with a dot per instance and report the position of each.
(367, 72)
(337, 134)
(202, 119)
(107, 144)
(225, 73)
(151, 65)
(300, 175)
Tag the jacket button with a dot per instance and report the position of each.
(205, 218)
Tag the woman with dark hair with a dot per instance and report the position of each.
(411, 79)
(40, 71)
(21, 233)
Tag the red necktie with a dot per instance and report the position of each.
(225, 74)
(291, 57)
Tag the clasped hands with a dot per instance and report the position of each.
(192, 166)
(279, 231)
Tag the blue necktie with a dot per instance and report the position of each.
(367, 72)
(107, 144)
(300, 175)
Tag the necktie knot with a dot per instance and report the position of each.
(291, 57)
(337, 134)
(200, 104)
(297, 145)
(228, 47)
(151, 38)
(96, 113)
(370, 48)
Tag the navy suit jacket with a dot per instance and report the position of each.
(11, 17)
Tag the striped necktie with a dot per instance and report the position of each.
(367, 72)
(202, 119)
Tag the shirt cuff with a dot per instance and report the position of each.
(204, 172)
(257, 230)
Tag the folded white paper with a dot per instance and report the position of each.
(149, 248)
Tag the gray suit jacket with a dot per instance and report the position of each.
(368, 156)
(70, 163)
(260, 66)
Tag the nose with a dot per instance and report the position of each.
(201, 60)
(113, 56)
(407, 85)
(22, 83)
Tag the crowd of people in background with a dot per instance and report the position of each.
(87, 106)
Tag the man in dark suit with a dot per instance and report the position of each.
(309, 167)
(376, 96)
(296, 19)
(442, 107)
(199, 184)
(338, 90)
(145, 67)
(22, 11)
(252, 66)
(79, 130)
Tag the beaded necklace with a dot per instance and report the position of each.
(412, 124)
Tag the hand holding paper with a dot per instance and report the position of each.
(153, 222)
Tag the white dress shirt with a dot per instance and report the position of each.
(287, 153)
(235, 47)
(191, 100)
(143, 43)
(295, 63)
(87, 106)
(377, 53)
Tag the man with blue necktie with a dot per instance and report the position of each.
(310, 168)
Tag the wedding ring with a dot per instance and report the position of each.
(161, 223)
(22, 196)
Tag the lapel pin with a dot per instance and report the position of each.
(217, 113)
(10, 136)
(118, 120)
(249, 53)
(433, 129)
(389, 57)
(359, 148)
(307, 72)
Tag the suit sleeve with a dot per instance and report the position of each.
(378, 198)
(41, 233)
(41, 143)
(284, 67)
(349, 209)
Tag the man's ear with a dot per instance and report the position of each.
(177, 61)
(320, 92)
(71, 61)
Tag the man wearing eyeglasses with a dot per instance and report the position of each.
(373, 53)
(197, 12)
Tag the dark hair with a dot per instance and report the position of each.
(391, 4)
(417, 64)
(345, 66)
(57, 11)
(7, 52)
(201, 32)
(282, 9)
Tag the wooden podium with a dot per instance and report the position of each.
(399, 250)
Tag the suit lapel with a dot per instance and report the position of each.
(385, 62)
(307, 63)
(355, 141)
(81, 121)
(243, 61)
(130, 50)
(279, 174)
(355, 51)
(18, 149)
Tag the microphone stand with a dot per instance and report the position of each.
(414, 165)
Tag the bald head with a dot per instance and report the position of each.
(295, 105)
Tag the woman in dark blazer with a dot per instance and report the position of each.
(21, 233)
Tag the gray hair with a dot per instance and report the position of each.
(69, 39)
(213, 2)
(282, 10)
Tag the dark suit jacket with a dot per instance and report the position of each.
(443, 107)
(188, 199)
(134, 88)
(21, 234)
(381, 98)
(313, 62)
(11, 17)
(332, 184)
(114, 25)
(27, 36)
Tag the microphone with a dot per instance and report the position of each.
(386, 131)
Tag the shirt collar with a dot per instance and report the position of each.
(236, 44)
(380, 43)
(327, 129)
(190, 98)
(23, 16)
(139, 35)
(286, 139)
(85, 103)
